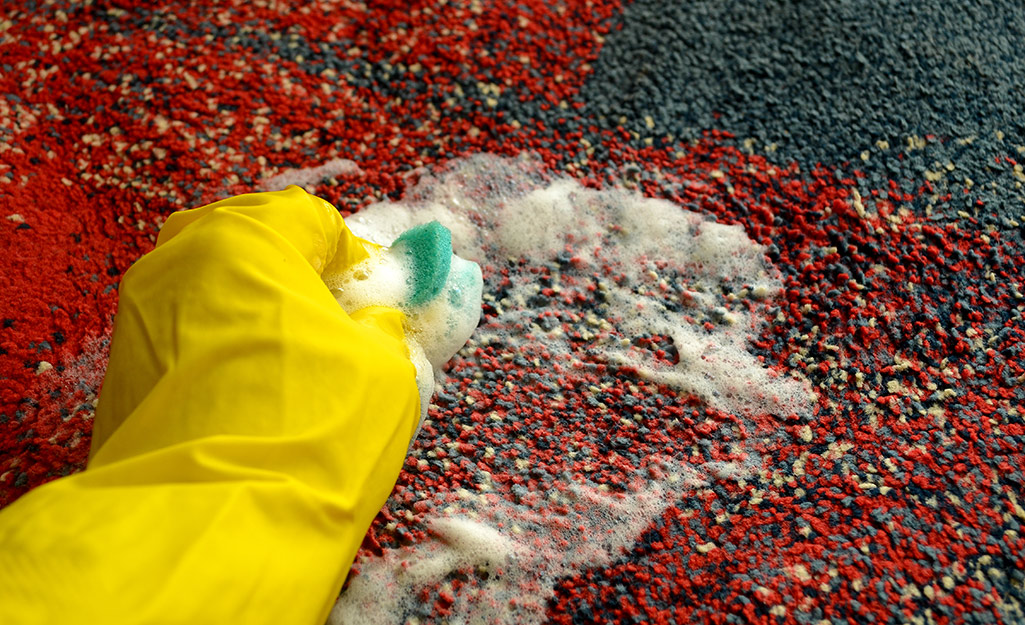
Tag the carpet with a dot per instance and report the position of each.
(865, 156)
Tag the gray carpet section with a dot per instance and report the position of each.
(822, 80)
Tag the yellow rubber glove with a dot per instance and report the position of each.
(247, 433)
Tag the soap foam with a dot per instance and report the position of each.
(509, 556)
(505, 209)
(661, 271)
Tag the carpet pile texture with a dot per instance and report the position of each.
(875, 149)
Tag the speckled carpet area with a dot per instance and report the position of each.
(825, 425)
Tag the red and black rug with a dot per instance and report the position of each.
(869, 150)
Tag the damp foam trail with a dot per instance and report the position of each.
(622, 272)
(310, 176)
(510, 555)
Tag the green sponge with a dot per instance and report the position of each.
(428, 252)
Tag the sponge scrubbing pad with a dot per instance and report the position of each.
(428, 253)
(439, 292)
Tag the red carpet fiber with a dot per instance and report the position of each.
(873, 150)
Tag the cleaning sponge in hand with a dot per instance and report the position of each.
(439, 293)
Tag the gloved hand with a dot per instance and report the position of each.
(247, 433)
